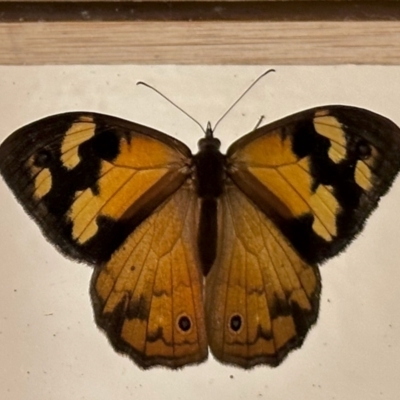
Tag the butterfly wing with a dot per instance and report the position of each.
(117, 194)
(148, 297)
(297, 192)
(261, 297)
(318, 174)
(89, 179)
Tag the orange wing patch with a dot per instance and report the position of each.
(281, 172)
(148, 298)
(288, 177)
(261, 298)
(144, 152)
(141, 163)
(118, 189)
(269, 151)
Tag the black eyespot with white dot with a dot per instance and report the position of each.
(235, 323)
(42, 158)
(184, 323)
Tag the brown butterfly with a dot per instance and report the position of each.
(205, 250)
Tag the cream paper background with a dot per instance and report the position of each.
(50, 348)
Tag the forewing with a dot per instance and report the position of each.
(89, 179)
(148, 297)
(318, 174)
(261, 297)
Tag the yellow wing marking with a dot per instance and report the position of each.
(151, 282)
(330, 127)
(363, 175)
(292, 184)
(79, 133)
(43, 182)
(118, 189)
(325, 206)
(337, 152)
(258, 277)
(42, 179)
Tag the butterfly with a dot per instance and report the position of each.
(205, 251)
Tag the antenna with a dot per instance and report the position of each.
(225, 113)
(241, 96)
(171, 102)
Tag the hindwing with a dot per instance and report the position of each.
(261, 297)
(148, 297)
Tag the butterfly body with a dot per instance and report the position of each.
(210, 170)
(202, 251)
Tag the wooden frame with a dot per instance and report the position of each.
(200, 32)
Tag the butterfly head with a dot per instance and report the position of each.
(209, 142)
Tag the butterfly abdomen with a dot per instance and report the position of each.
(207, 234)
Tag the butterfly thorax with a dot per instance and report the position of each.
(209, 165)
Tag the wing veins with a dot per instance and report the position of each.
(90, 200)
(311, 209)
(42, 182)
(283, 269)
(152, 296)
(105, 203)
(172, 308)
(246, 308)
(228, 280)
(262, 277)
(288, 259)
(330, 126)
(123, 267)
(190, 278)
(262, 166)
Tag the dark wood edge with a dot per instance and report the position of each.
(292, 10)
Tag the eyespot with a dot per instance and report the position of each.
(42, 158)
(184, 323)
(236, 322)
(363, 150)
